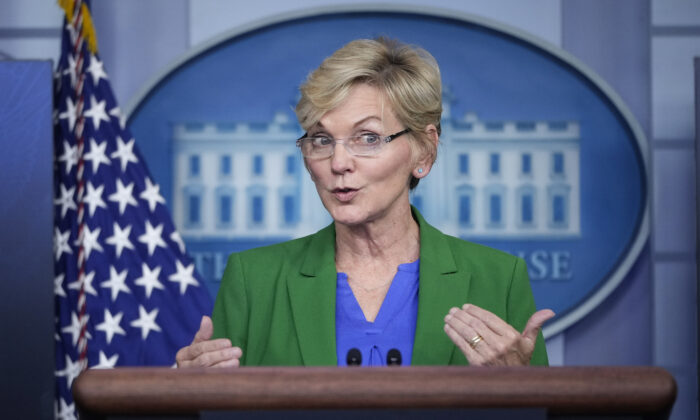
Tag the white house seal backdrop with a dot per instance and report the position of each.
(538, 156)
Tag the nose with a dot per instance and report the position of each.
(342, 161)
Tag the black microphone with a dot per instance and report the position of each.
(393, 358)
(354, 357)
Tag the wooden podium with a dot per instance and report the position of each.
(558, 392)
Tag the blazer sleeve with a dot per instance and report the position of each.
(521, 306)
(230, 315)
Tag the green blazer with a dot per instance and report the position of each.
(277, 303)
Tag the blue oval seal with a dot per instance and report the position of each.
(539, 156)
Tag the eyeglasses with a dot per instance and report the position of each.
(320, 147)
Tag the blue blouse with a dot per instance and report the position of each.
(393, 328)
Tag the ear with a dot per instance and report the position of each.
(425, 161)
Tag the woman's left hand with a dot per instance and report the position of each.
(487, 340)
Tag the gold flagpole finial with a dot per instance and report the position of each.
(87, 27)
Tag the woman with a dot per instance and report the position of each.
(378, 284)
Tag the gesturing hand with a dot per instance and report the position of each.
(487, 340)
(204, 352)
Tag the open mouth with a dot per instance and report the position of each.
(344, 194)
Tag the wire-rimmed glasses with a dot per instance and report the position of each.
(320, 147)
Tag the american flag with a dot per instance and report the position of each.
(126, 292)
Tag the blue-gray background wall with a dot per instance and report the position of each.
(26, 255)
(642, 48)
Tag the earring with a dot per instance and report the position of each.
(420, 170)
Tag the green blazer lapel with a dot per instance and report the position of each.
(312, 296)
(441, 287)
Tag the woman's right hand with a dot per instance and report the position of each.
(204, 352)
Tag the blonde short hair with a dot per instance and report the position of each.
(408, 76)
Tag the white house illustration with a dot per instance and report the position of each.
(517, 179)
(505, 179)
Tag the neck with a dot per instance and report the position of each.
(389, 241)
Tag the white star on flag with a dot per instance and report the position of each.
(96, 69)
(124, 152)
(116, 283)
(124, 196)
(69, 156)
(66, 200)
(97, 155)
(71, 31)
(152, 195)
(93, 198)
(69, 113)
(183, 276)
(152, 238)
(120, 239)
(58, 81)
(146, 321)
(149, 279)
(90, 242)
(106, 363)
(64, 411)
(60, 243)
(71, 371)
(175, 237)
(87, 279)
(96, 112)
(74, 328)
(58, 285)
(117, 113)
(110, 325)
(71, 70)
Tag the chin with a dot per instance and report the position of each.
(347, 215)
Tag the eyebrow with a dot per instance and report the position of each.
(358, 123)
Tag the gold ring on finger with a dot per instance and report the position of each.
(474, 341)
